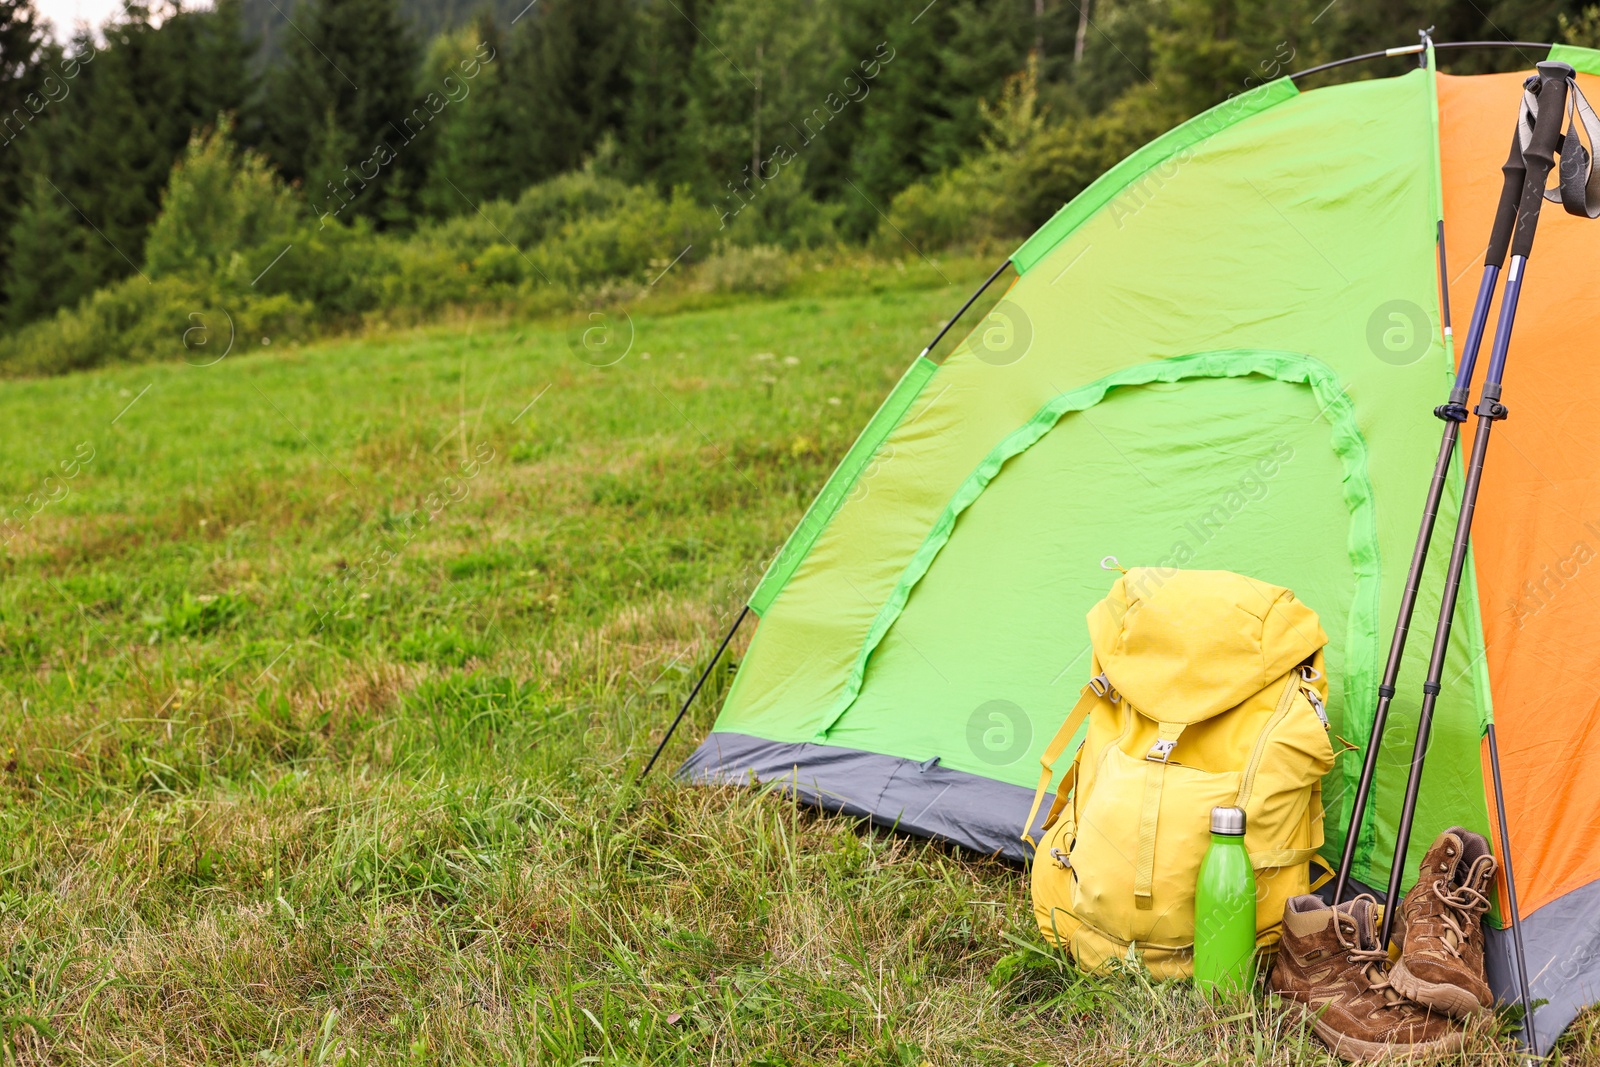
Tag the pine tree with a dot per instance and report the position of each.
(47, 267)
(654, 145)
(567, 79)
(103, 153)
(765, 89)
(476, 153)
(29, 85)
(343, 113)
(223, 208)
(934, 66)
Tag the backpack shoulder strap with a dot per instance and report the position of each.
(1094, 693)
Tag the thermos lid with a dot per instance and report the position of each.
(1228, 821)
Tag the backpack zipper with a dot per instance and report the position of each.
(1285, 702)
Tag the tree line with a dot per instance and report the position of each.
(805, 119)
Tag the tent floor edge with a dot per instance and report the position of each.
(921, 798)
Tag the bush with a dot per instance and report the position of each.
(780, 212)
(1582, 29)
(136, 321)
(499, 265)
(544, 209)
(637, 238)
(1028, 170)
(223, 213)
(756, 269)
(233, 258)
(961, 206)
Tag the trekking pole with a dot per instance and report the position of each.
(1539, 159)
(1454, 413)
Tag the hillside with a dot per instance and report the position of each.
(329, 671)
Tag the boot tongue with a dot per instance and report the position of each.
(1363, 913)
(1445, 856)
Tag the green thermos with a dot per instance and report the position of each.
(1225, 908)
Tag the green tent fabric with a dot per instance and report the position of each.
(1225, 392)
(1194, 367)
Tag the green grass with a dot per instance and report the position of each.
(329, 672)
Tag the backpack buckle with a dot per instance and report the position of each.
(1102, 687)
(1161, 751)
(1316, 705)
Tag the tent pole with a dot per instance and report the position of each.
(1412, 49)
(1454, 413)
(1539, 159)
(694, 692)
(973, 299)
(1515, 914)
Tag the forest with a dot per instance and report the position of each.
(316, 165)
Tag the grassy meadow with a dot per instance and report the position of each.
(328, 672)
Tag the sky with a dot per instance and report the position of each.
(66, 14)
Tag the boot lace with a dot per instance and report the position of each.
(1464, 905)
(1374, 962)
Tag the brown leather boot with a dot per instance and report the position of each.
(1440, 927)
(1331, 966)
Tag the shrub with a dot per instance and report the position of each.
(545, 208)
(167, 318)
(756, 269)
(1582, 29)
(956, 207)
(465, 236)
(637, 238)
(1005, 193)
(219, 208)
(499, 265)
(780, 212)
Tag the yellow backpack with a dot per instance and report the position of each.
(1207, 690)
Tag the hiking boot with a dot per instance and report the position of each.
(1331, 966)
(1440, 927)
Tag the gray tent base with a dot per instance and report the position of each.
(1563, 944)
(918, 798)
(1562, 938)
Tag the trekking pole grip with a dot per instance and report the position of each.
(1540, 155)
(1505, 213)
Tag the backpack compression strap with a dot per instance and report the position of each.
(1155, 776)
(1579, 191)
(1092, 694)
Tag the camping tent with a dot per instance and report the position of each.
(1223, 354)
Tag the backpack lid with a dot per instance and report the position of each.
(1183, 645)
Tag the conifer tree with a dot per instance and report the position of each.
(100, 157)
(566, 80)
(476, 155)
(25, 66)
(47, 267)
(344, 116)
(654, 146)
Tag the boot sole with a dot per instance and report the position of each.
(1354, 1050)
(1451, 1000)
